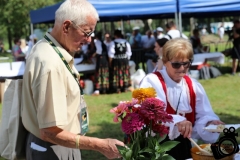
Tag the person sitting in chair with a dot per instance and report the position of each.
(196, 43)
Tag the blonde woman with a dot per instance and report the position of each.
(184, 97)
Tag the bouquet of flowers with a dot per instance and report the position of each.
(142, 121)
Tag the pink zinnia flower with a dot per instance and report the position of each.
(160, 129)
(118, 110)
(131, 123)
(154, 109)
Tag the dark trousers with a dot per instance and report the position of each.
(53, 151)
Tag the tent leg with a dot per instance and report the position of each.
(122, 27)
(176, 19)
(31, 27)
(180, 21)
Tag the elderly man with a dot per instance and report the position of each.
(53, 107)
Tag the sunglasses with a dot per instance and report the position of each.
(177, 65)
(87, 34)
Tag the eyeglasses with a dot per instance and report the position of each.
(86, 34)
(177, 65)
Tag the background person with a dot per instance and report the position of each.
(119, 54)
(196, 43)
(1, 47)
(158, 49)
(159, 32)
(221, 32)
(147, 43)
(236, 46)
(101, 78)
(184, 97)
(53, 107)
(17, 53)
(135, 38)
(173, 32)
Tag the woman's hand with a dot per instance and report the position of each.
(185, 128)
(215, 122)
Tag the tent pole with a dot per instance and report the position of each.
(176, 19)
(31, 27)
(122, 27)
(180, 21)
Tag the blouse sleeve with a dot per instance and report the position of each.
(204, 114)
(129, 52)
(98, 45)
(111, 51)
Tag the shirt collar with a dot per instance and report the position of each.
(65, 54)
(168, 80)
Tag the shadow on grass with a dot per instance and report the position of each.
(224, 69)
(114, 104)
(106, 130)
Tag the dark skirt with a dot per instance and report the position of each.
(236, 52)
(119, 75)
(182, 150)
(53, 151)
(101, 79)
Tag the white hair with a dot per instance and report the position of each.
(75, 10)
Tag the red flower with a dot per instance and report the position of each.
(131, 123)
(153, 109)
(160, 129)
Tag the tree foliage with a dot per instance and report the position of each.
(15, 15)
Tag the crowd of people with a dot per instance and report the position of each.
(112, 55)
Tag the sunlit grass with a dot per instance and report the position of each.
(223, 93)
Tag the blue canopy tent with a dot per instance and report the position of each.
(195, 7)
(207, 8)
(111, 10)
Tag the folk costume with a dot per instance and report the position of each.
(120, 52)
(184, 100)
(102, 68)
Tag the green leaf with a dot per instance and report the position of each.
(146, 150)
(160, 139)
(128, 155)
(168, 145)
(135, 149)
(167, 157)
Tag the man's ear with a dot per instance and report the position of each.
(66, 26)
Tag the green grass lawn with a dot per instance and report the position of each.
(223, 93)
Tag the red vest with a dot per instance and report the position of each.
(189, 116)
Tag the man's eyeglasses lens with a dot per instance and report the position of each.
(87, 34)
(177, 65)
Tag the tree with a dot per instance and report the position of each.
(15, 16)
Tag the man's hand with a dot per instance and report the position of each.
(108, 148)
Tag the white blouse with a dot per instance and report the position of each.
(111, 50)
(179, 92)
(98, 45)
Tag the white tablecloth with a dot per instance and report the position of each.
(200, 58)
(14, 69)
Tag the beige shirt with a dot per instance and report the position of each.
(50, 94)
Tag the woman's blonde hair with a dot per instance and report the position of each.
(178, 48)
